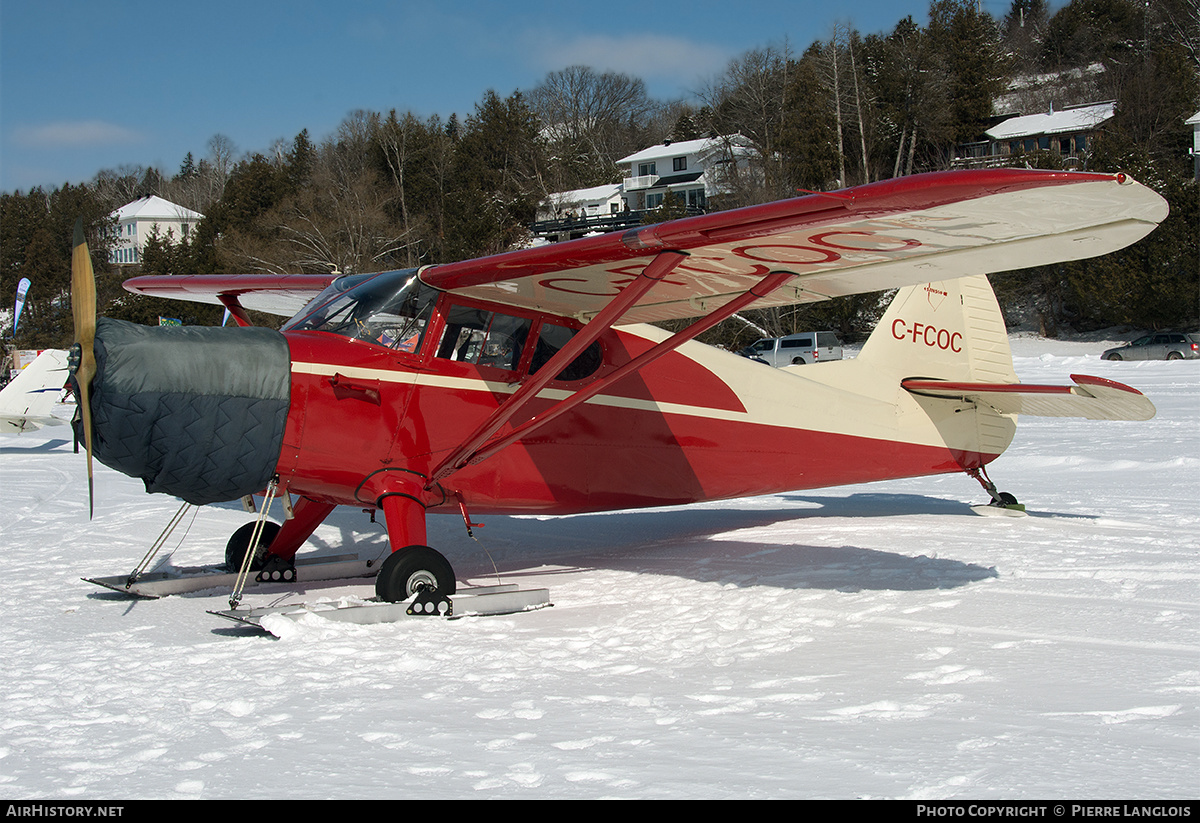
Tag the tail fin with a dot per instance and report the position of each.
(26, 402)
(944, 348)
(951, 330)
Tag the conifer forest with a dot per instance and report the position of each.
(393, 189)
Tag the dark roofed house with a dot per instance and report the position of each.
(1067, 133)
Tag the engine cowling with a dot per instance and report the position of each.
(194, 412)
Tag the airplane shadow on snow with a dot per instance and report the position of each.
(33, 448)
(679, 542)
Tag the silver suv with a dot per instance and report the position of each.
(1158, 346)
(795, 349)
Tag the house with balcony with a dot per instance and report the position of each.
(689, 169)
(692, 170)
(136, 221)
(1067, 133)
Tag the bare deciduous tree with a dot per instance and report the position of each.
(590, 120)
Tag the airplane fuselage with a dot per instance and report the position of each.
(698, 424)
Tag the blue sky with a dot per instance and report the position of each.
(86, 86)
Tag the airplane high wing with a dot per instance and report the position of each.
(278, 294)
(875, 237)
(870, 238)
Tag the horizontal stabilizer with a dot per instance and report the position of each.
(1092, 397)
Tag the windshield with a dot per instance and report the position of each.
(390, 309)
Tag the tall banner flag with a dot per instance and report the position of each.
(22, 290)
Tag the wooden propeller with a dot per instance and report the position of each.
(83, 310)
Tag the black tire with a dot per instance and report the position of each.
(407, 570)
(1007, 499)
(799, 361)
(1174, 355)
(1114, 356)
(235, 549)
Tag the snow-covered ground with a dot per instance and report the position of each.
(872, 641)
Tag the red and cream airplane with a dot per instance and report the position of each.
(529, 382)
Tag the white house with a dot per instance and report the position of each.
(137, 220)
(690, 168)
(582, 203)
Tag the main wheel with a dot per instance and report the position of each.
(406, 571)
(235, 549)
(1174, 355)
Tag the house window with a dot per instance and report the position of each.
(653, 201)
(646, 169)
(679, 164)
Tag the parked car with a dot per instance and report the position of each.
(1158, 346)
(795, 349)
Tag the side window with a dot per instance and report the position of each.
(551, 339)
(483, 338)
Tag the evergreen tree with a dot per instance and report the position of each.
(36, 235)
(808, 142)
(967, 43)
(496, 181)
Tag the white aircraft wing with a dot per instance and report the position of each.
(884, 235)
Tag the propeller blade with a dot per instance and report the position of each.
(83, 310)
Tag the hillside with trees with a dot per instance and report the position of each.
(392, 189)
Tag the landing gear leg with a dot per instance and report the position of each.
(1002, 502)
(412, 569)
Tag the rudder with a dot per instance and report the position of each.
(951, 330)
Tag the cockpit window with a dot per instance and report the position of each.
(391, 309)
(484, 338)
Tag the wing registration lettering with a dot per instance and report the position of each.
(895, 233)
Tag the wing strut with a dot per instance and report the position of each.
(236, 311)
(764, 287)
(659, 267)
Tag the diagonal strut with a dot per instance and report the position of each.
(659, 267)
